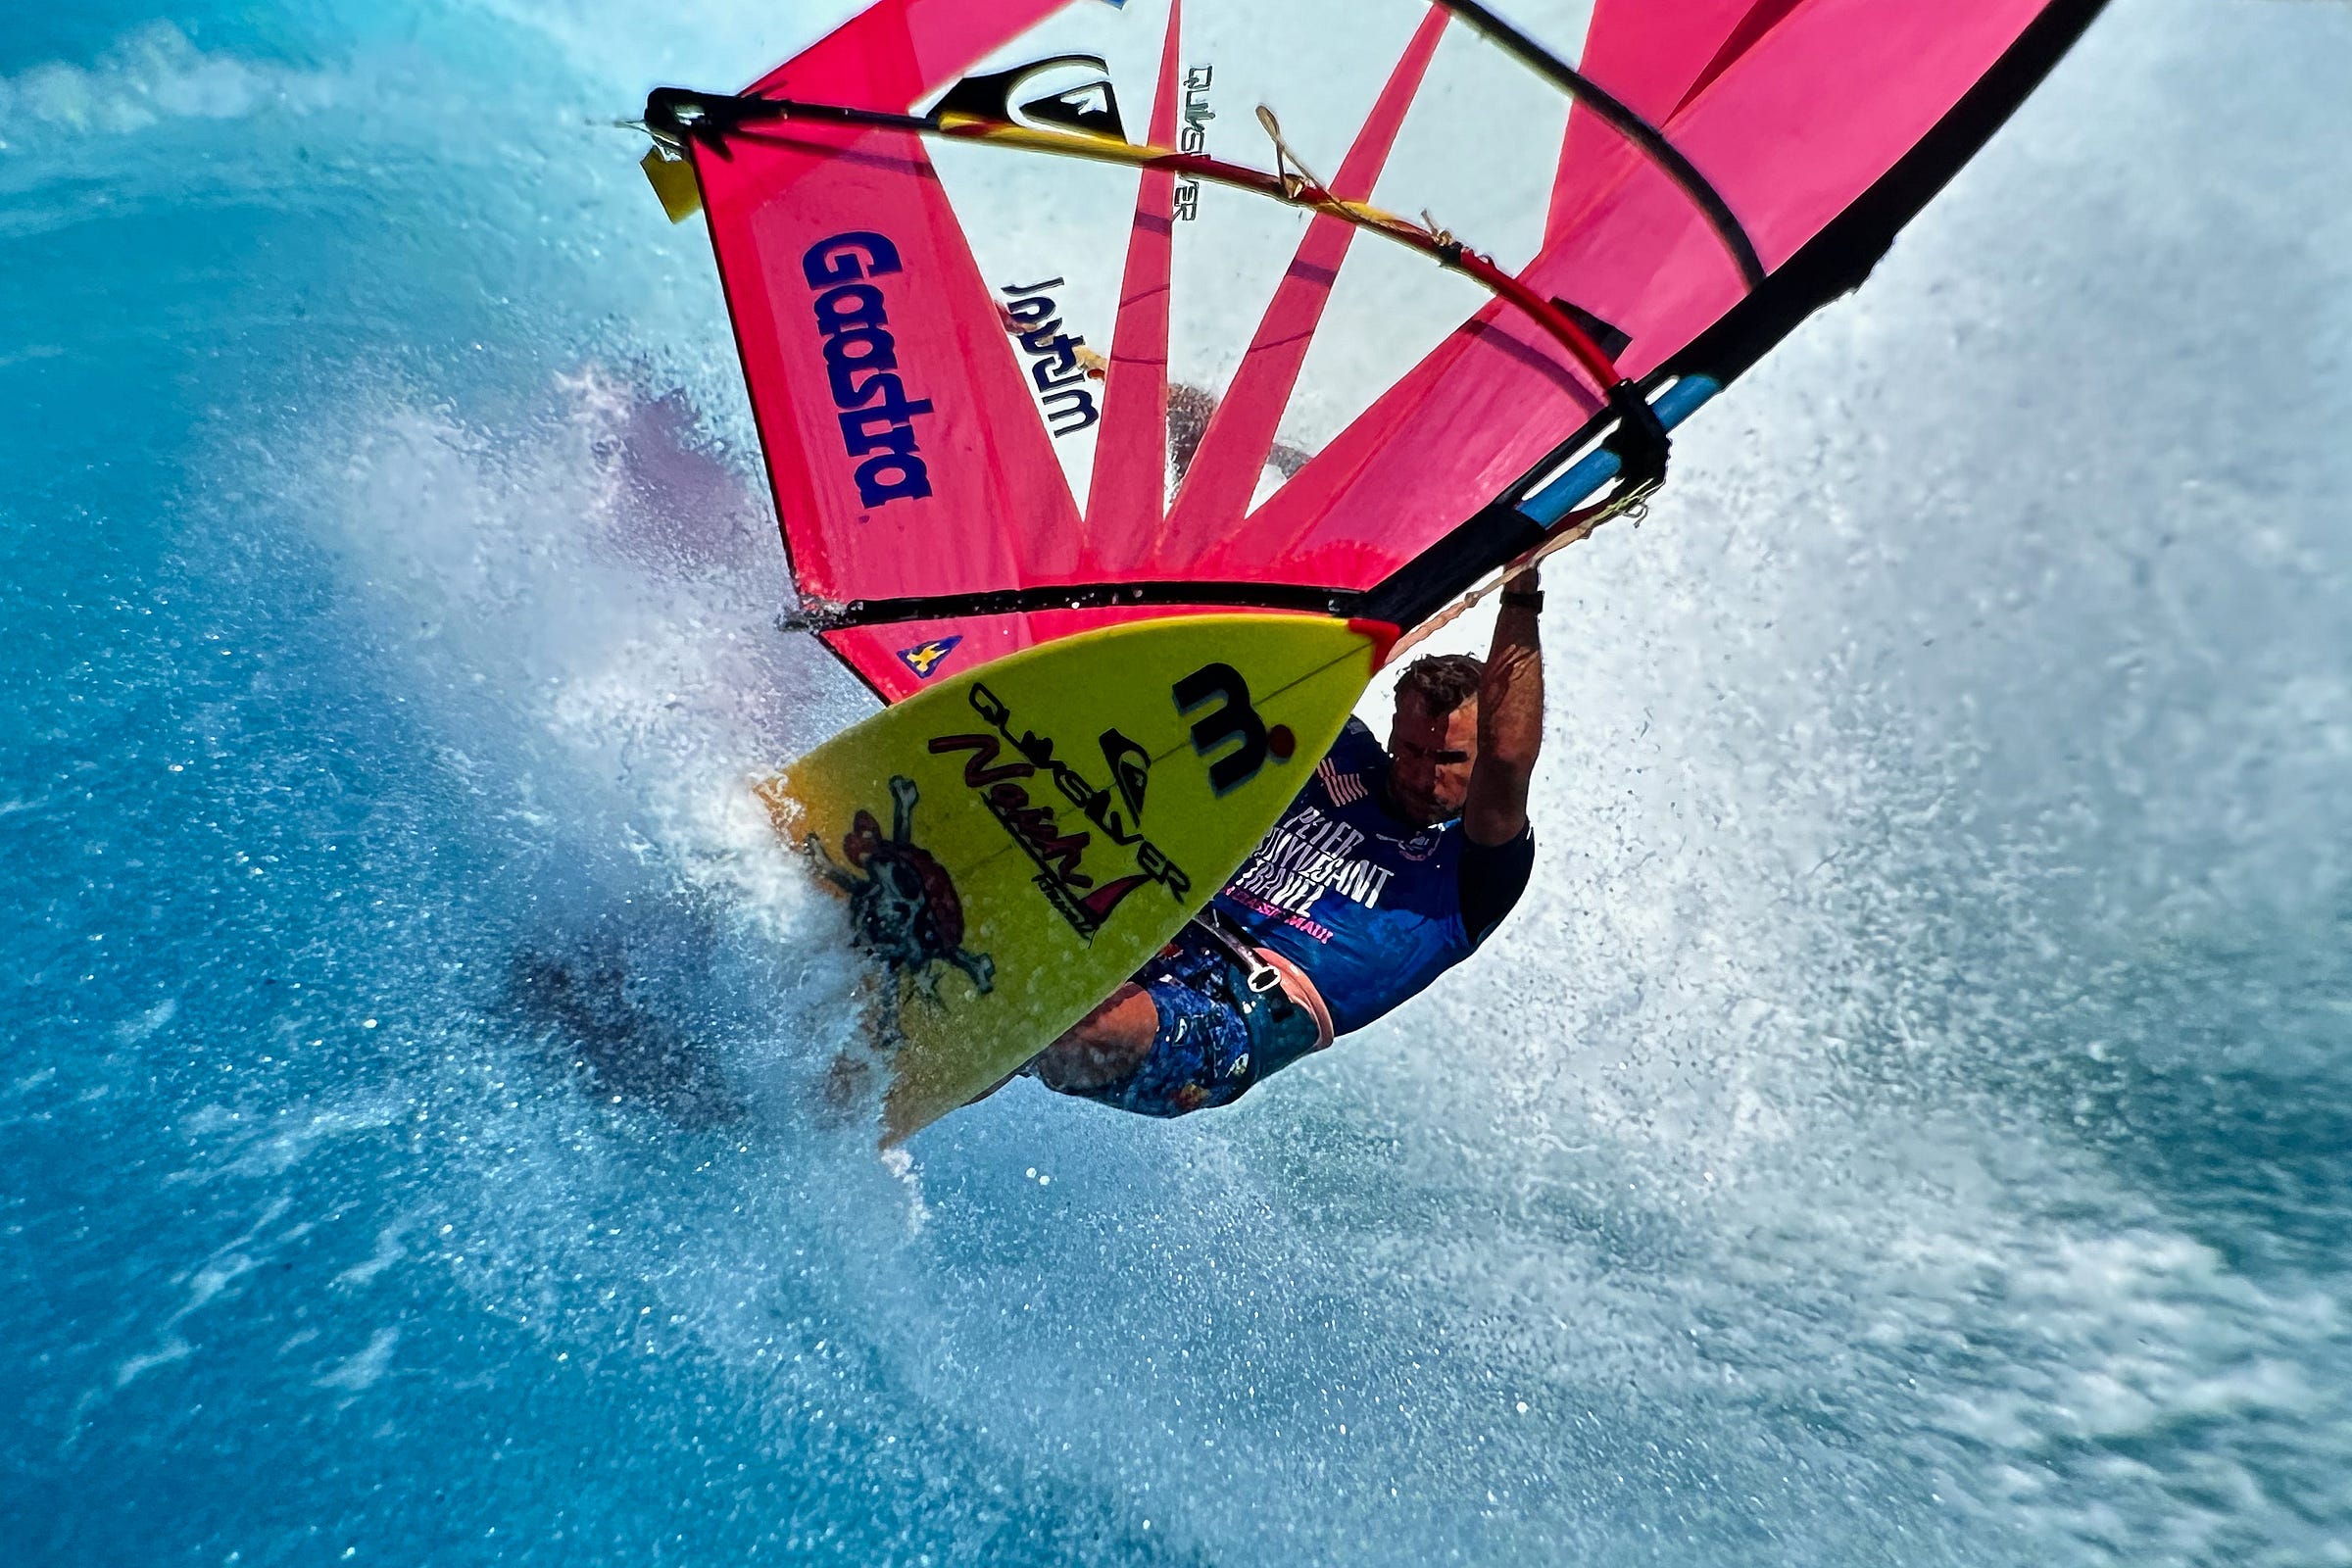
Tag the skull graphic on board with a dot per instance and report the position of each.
(903, 903)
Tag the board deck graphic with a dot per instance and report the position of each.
(1016, 840)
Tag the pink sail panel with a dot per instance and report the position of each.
(1819, 108)
(888, 398)
(1648, 62)
(1464, 424)
(912, 331)
(897, 50)
(888, 401)
(1241, 433)
(899, 660)
(1791, 133)
(1128, 488)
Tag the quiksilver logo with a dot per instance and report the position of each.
(861, 361)
(1063, 93)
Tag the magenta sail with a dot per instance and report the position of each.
(1005, 396)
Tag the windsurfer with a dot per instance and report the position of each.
(1391, 867)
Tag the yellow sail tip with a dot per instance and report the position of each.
(673, 181)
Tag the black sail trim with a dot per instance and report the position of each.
(1341, 603)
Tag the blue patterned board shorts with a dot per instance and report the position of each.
(1216, 1037)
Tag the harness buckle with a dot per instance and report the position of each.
(1258, 974)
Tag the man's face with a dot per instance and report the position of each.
(1429, 759)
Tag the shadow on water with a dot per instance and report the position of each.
(582, 1000)
(2213, 1078)
(2203, 1066)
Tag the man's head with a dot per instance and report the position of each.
(1434, 740)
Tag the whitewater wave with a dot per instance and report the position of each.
(150, 74)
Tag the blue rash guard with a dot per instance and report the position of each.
(1371, 908)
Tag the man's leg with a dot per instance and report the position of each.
(1106, 1046)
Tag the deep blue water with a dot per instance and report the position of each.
(1910, 1121)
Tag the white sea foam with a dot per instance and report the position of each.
(362, 1370)
(130, 1031)
(149, 76)
(391, 1247)
(607, 586)
(628, 47)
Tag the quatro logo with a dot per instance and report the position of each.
(924, 658)
(1232, 719)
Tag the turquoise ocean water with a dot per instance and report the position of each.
(1909, 1123)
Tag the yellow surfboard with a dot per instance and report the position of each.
(1017, 840)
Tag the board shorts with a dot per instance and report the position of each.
(1217, 1036)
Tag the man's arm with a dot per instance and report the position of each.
(1510, 722)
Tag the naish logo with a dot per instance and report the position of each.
(1060, 856)
(877, 418)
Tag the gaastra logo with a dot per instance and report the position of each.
(877, 418)
(924, 658)
(1037, 830)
